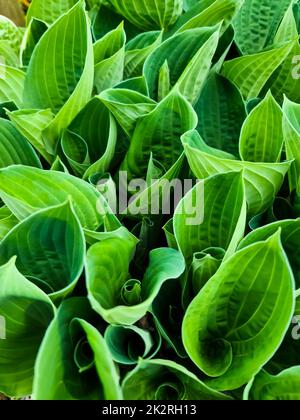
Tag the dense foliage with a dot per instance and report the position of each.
(105, 300)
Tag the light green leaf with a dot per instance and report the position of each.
(137, 51)
(221, 113)
(261, 136)
(207, 13)
(178, 51)
(291, 133)
(283, 387)
(76, 152)
(50, 248)
(20, 189)
(128, 344)
(239, 319)
(7, 221)
(14, 148)
(48, 11)
(31, 124)
(11, 84)
(192, 80)
(159, 14)
(212, 214)
(8, 55)
(159, 133)
(262, 180)
(10, 32)
(250, 73)
(74, 362)
(290, 241)
(127, 106)
(34, 32)
(65, 86)
(205, 264)
(98, 128)
(108, 278)
(166, 380)
(156, 199)
(256, 24)
(27, 312)
(109, 57)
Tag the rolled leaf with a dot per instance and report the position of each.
(20, 190)
(262, 180)
(166, 380)
(74, 362)
(108, 278)
(239, 319)
(212, 214)
(128, 344)
(284, 387)
(50, 248)
(27, 312)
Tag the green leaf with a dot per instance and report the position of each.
(221, 113)
(156, 199)
(284, 387)
(128, 344)
(109, 57)
(168, 315)
(104, 20)
(238, 320)
(159, 133)
(166, 380)
(65, 86)
(262, 137)
(192, 80)
(256, 24)
(207, 13)
(127, 106)
(34, 32)
(31, 124)
(8, 55)
(289, 237)
(14, 148)
(59, 372)
(50, 11)
(11, 84)
(262, 180)
(205, 264)
(180, 51)
(291, 133)
(138, 84)
(159, 14)
(20, 189)
(10, 32)
(27, 311)
(95, 125)
(76, 152)
(137, 51)
(108, 274)
(7, 221)
(50, 248)
(250, 73)
(212, 214)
